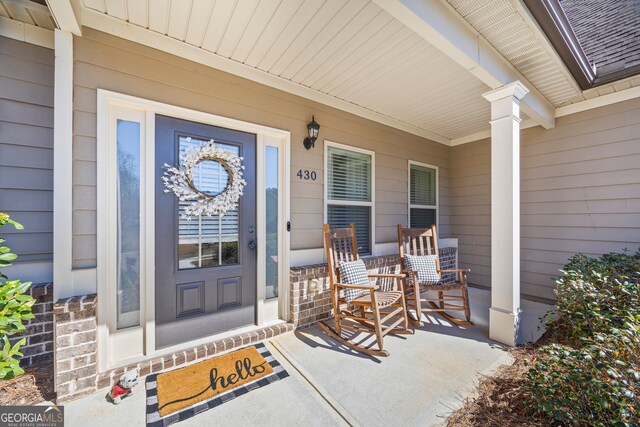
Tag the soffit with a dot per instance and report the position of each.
(506, 29)
(506, 25)
(348, 49)
(28, 12)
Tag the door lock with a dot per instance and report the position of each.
(252, 244)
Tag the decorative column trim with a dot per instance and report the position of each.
(504, 314)
(63, 165)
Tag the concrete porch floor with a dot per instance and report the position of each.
(426, 376)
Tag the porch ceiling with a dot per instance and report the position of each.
(350, 50)
(508, 26)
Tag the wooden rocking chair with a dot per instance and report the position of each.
(420, 242)
(378, 312)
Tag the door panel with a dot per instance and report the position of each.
(205, 268)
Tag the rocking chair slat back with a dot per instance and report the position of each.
(342, 247)
(417, 242)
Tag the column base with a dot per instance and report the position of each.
(504, 326)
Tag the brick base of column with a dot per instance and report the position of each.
(76, 347)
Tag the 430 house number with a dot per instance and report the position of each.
(307, 175)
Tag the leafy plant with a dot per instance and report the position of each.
(597, 385)
(593, 377)
(15, 307)
(596, 294)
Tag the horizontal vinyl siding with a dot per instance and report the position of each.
(26, 147)
(471, 208)
(580, 192)
(107, 62)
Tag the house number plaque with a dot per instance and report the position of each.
(307, 175)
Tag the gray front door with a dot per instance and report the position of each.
(205, 267)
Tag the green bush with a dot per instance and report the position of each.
(15, 307)
(596, 385)
(593, 377)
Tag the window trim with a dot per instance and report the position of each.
(410, 206)
(371, 203)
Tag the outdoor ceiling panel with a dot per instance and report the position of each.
(502, 26)
(27, 12)
(349, 49)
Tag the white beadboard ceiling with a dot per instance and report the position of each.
(27, 12)
(349, 49)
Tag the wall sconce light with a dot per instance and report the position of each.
(313, 128)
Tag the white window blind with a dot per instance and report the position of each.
(349, 175)
(423, 189)
(349, 188)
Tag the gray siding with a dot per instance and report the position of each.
(580, 192)
(107, 62)
(26, 146)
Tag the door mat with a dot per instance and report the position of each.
(182, 393)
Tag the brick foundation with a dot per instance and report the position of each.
(39, 333)
(310, 294)
(76, 346)
(76, 350)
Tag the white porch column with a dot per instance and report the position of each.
(62, 166)
(504, 315)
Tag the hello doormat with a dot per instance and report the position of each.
(182, 393)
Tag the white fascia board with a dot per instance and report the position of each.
(65, 16)
(24, 32)
(134, 33)
(601, 101)
(439, 24)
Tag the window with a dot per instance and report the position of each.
(128, 137)
(349, 195)
(423, 195)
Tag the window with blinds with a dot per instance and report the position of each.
(423, 189)
(349, 193)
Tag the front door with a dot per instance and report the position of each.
(205, 267)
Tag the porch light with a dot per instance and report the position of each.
(313, 128)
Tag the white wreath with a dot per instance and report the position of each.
(179, 180)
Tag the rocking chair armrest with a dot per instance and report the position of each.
(395, 276)
(462, 273)
(363, 287)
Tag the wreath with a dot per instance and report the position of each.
(179, 180)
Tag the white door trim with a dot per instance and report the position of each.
(112, 105)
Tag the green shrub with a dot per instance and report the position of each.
(15, 307)
(595, 295)
(593, 377)
(596, 385)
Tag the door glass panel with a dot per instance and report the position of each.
(272, 222)
(128, 211)
(207, 241)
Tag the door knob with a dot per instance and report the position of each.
(252, 244)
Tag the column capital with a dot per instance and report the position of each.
(515, 89)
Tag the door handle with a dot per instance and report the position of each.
(252, 244)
